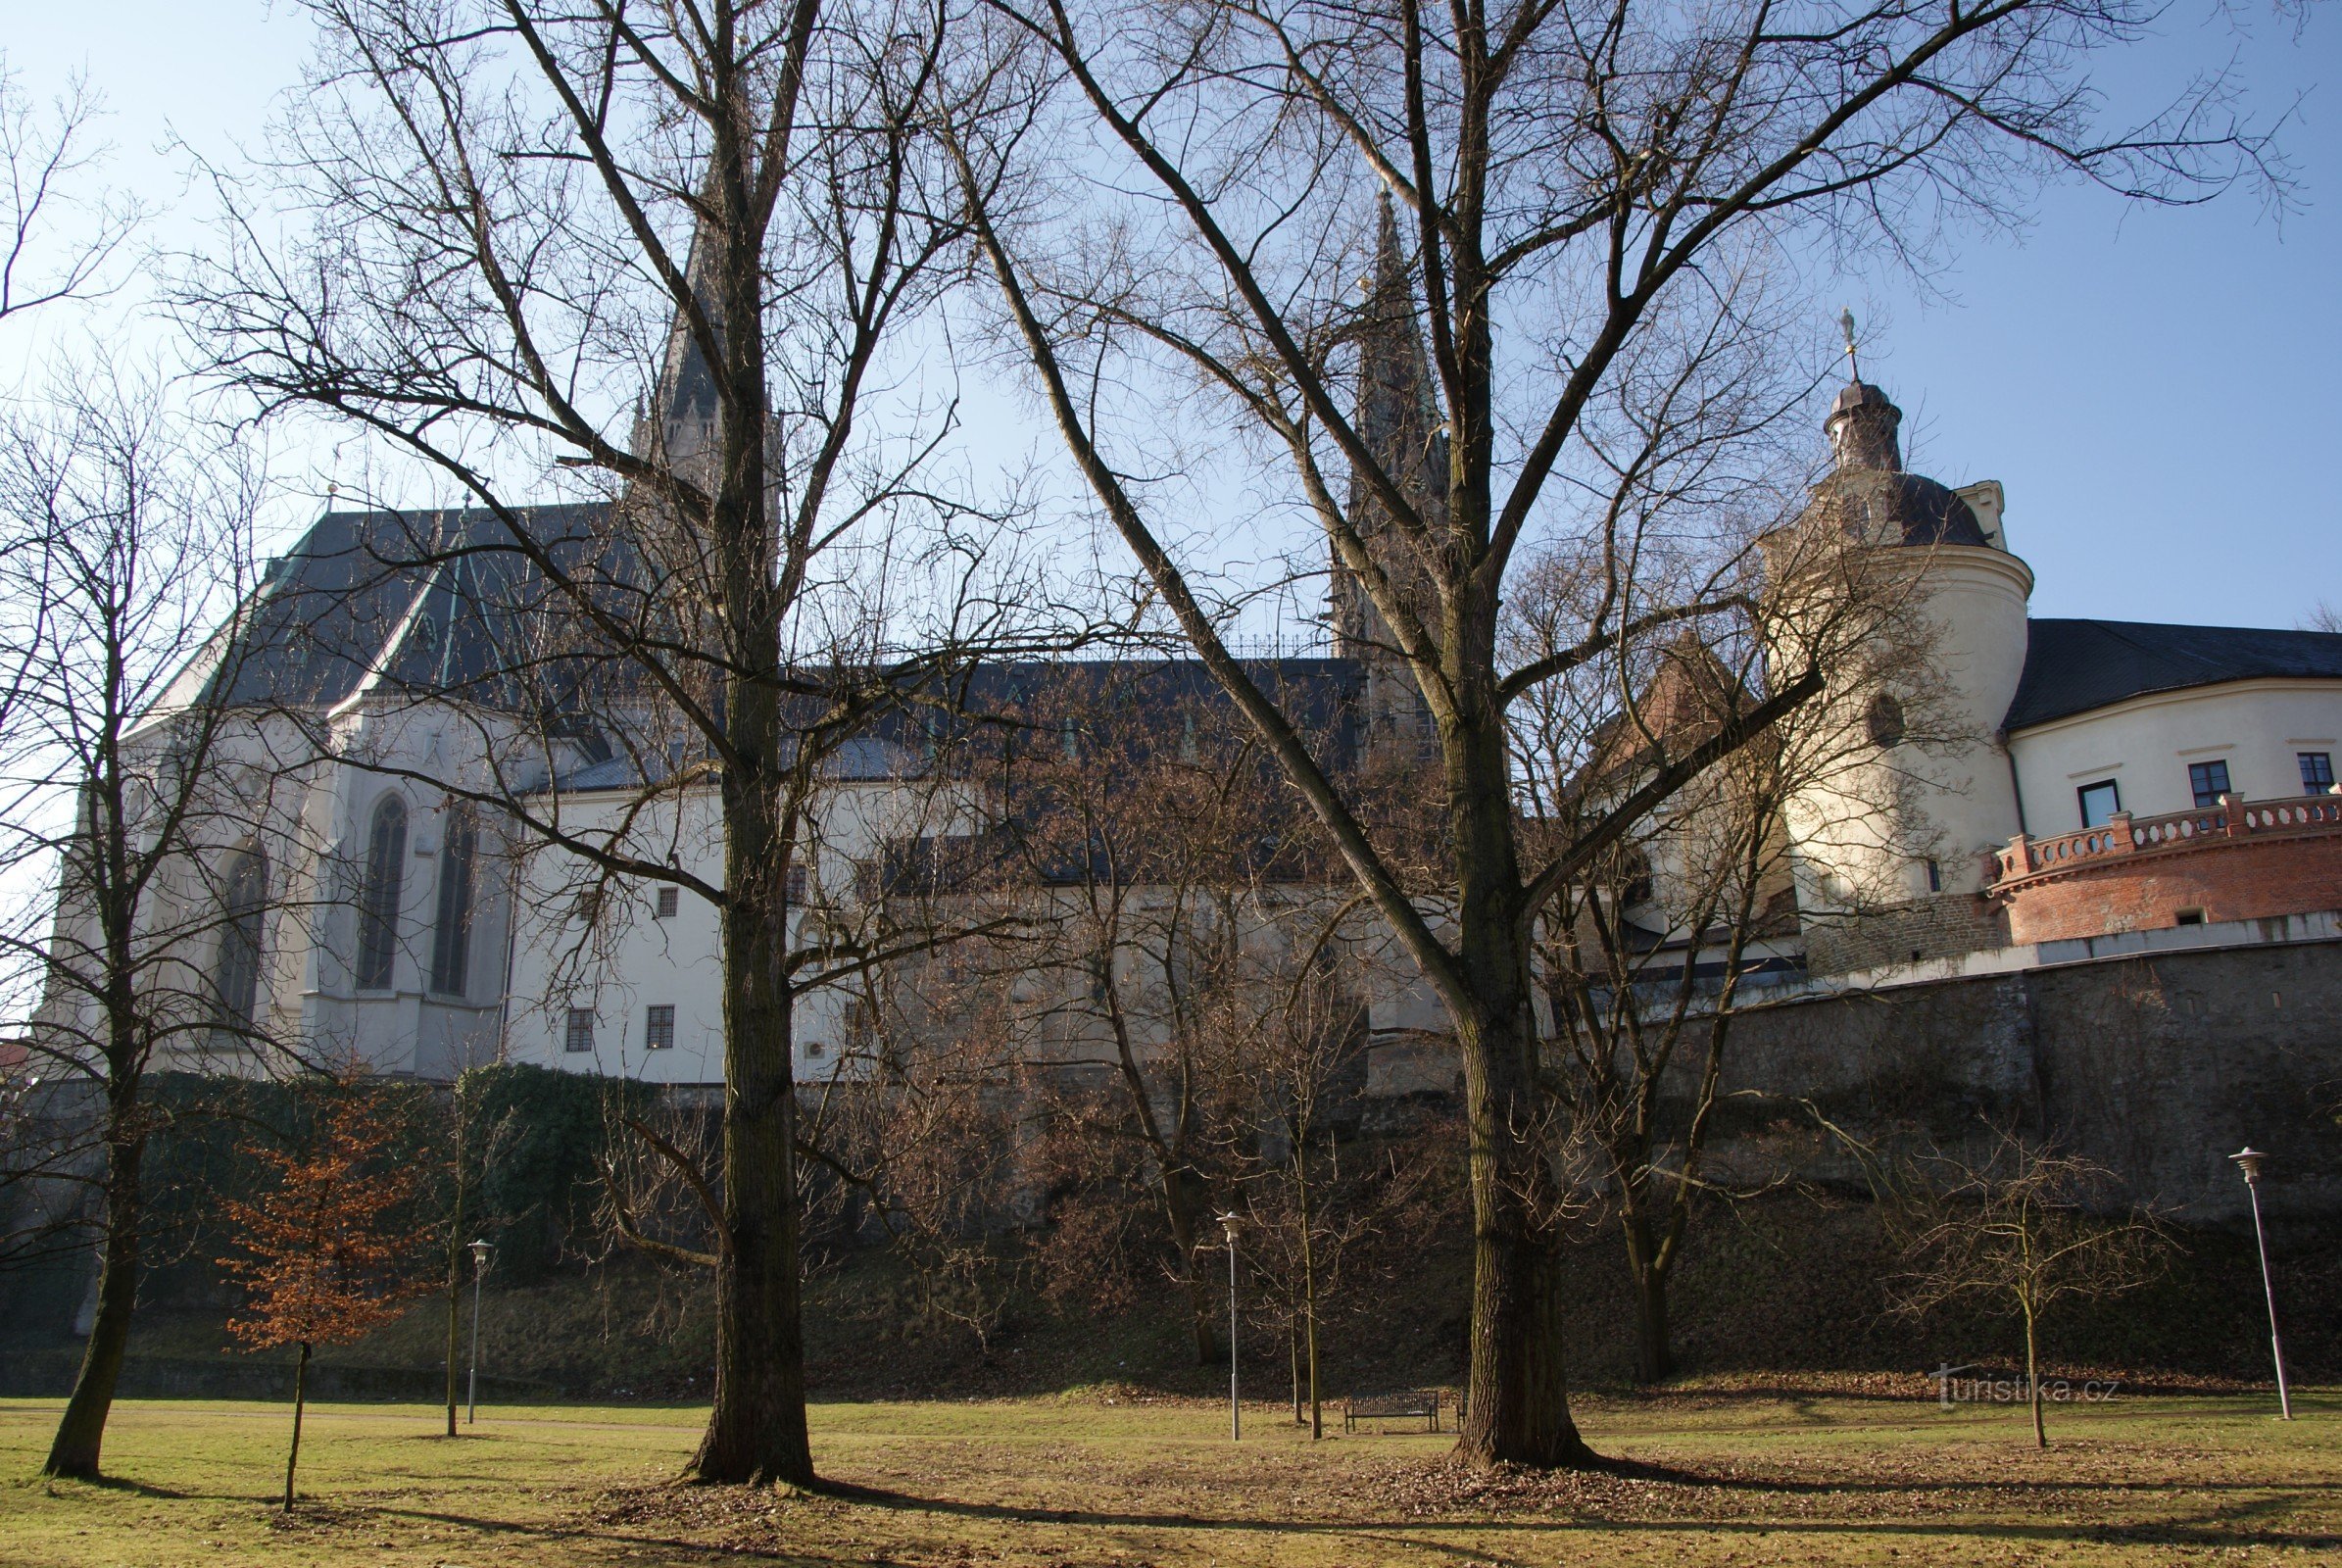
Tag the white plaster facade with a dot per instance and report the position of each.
(2259, 728)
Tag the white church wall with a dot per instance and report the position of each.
(632, 959)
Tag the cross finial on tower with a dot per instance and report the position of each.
(1845, 319)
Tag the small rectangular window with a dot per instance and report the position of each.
(2317, 771)
(2209, 781)
(658, 1029)
(1934, 877)
(2099, 803)
(579, 1035)
(669, 901)
(2190, 917)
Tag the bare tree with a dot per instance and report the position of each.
(1174, 220)
(131, 783)
(56, 238)
(1310, 1214)
(526, 220)
(1643, 957)
(2020, 1227)
(1162, 862)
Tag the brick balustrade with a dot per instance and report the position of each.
(2237, 861)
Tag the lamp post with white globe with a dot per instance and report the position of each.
(480, 1252)
(1231, 1224)
(2249, 1161)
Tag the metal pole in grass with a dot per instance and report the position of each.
(2248, 1159)
(480, 1252)
(1232, 1223)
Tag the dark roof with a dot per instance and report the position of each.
(1135, 706)
(2071, 666)
(438, 601)
(1890, 506)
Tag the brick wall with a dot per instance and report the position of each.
(2230, 879)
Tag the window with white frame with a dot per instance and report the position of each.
(578, 1032)
(658, 1028)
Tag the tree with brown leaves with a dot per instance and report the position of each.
(323, 1258)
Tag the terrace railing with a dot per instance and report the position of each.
(2123, 834)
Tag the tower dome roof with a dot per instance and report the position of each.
(1875, 498)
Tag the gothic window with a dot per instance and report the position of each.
(1883, 719)
(237, 976)
(451, 933)
(378, 899)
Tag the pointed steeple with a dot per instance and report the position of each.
(681, 419)
(1398, 418)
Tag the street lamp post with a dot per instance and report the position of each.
(480, 1252)
(2248, 1160)
(1231, 1224)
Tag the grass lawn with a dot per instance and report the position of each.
(1721, 1477)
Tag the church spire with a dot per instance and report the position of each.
(685, 405)
(1398, 420)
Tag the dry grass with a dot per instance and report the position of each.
(1724, 1477)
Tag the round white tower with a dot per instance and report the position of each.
(1911, 787)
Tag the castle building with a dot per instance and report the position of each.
(2089, 778)
(2087, 781)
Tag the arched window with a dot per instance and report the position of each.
(378, 900)
(237, 976)
(451, 933)
(1884, 719)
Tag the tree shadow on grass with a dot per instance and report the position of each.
(136, 1488)
(2223, 1527)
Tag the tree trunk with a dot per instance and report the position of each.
(81, 1433)
(1181, 1202)
(1292, 1350)
(757, 1431)
(1518, 1407)
(1317, 1418)
(300, 1399)
(1317, 1408)
(455, 1273)
(1654, 1354)
(2033, 1379)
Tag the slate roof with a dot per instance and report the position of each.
(435, 601)
(2071, 666)
(999, 703)
(1899, 507)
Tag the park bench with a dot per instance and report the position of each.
(1411, 1404)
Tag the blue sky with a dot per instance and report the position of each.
(2157, 389)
